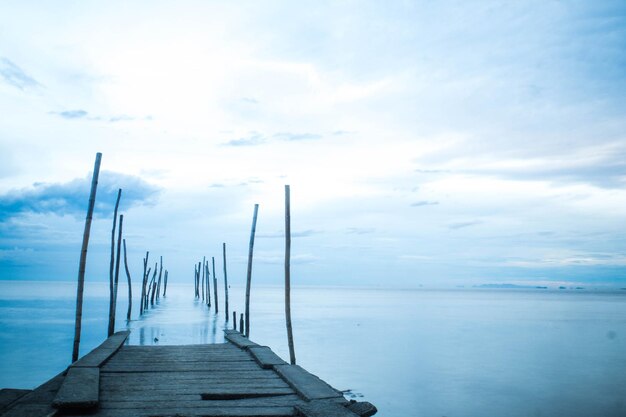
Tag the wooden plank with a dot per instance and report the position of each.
(210, 392)
(265, 357)
(363, 408)
(30, 410)
(259, 376)
(279, 401)
(182, 367)
(99, 355)
(197, 384)
(174, 411)
(79, 389)
(239, 340)
(323, 409)
(9, 395)
(307, 385)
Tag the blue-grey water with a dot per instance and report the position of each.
(452, 353)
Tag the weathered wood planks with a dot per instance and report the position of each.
(307, 385)
(264, 356)
(80, 388)
(238, 379)
(9, 395)
(99, 355)
(238, 339)
(324, 409)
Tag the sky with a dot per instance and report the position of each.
(426, 144)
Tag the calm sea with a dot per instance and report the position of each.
(452, 353)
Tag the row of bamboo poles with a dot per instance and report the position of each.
(202, 282)
(151, 287)
(202, 286)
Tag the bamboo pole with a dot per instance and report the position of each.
(195, 280)
(144, 282)
(234, 320)
(117, 277)
(249, 273)
(111, 264)
(208, 284)
(153, 283)
(214, 283)
(147, 294)
(130, 288)
(225, 281)
(203, 273)
(241, 323)
(83, 258)
(160, 274)
(292, 353)
(165, 283)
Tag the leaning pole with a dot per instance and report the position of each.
(83, 258)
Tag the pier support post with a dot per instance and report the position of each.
(83, 258)
(249, 274)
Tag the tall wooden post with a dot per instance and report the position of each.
(249, 274)
(130, 288)
(83, 258)
(208, 284)
(160, 274)
(165, 283)
(143, 283)
(117, 277)
(112, 263)
(214, 283)
(292, 353)
(225, 281)
(203, 274)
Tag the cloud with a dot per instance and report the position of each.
(425, 203)
(303, 233)
(15, 76)
(71, 114)
(71, 198)
(461, 225)
(249, 100)
(608, 172)
(360, 230)
(83, 114)
(254, 139)
(296, 136)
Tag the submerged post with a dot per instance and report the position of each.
(225, 282)
(249, 274)
(165, 283)
(112, 263)
(83, 258)
(292, 353)
(130, 289)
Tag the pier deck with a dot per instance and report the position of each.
(237, 378)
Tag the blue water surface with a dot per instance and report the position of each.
(410, 352)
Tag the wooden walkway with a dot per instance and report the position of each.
(237, 378)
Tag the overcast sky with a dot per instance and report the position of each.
(426, 143)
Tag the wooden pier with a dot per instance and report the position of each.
(236, 378)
